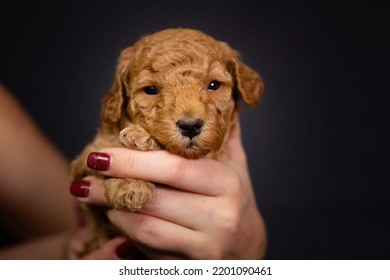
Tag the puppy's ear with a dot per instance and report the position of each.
(248, 84)
(113, 103)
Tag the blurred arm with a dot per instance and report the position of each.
(34, 180)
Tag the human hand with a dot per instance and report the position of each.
(207, 212)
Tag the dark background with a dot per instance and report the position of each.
(317, 144)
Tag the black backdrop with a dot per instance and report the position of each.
(317, 148)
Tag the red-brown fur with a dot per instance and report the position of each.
(180, 63)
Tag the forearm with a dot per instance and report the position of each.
(34, 177)
(52, 247)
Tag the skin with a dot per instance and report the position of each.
(35, 208)
(207, 212)
(226, 224)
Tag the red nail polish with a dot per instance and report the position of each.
(80, 188)
(99, 161)
(126, 250)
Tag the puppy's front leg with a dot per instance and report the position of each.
(127, 193)
(136, 137)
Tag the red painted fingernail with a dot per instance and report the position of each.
(126, 250)
(80, 188)
(99, 161)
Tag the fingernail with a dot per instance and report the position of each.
(98, 161)
(80, 188)
(126, 250)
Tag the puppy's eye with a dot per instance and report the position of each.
(213, 86)
(151, 90)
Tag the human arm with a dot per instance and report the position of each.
(35, 200)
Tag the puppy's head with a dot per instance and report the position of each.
(183, 87)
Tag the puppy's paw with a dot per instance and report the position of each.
(136, 137)
(128, 194)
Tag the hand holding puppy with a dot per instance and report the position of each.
(201, 209)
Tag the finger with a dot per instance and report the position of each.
(155, 233)
(236, 149)
(107, 252)
(89, 190)
(169, 169)
(76, 242)
(176, 206)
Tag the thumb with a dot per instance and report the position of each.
(236, 150)
(108, 251)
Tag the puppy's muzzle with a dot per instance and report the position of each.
(190, 127)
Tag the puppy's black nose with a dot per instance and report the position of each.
(190, 127)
